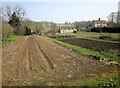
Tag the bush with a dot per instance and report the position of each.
(74, 31)
(95, 30)
(106, 29)
(27, 31)
(105, 37)
(7, 30)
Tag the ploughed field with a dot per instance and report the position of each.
(37, 61)
(94, 45)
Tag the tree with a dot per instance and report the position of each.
(112, 19)
(66, 22)
(20, 12)
(7, 30)
(7, 11)
(118, 19)
(81, 25)
(27, 31)
(14, 22)
(53, 28)
(41, 28)
(37, 30)
(77, 25)
(27, 22)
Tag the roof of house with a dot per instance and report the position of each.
(67, 26)
(99, 21)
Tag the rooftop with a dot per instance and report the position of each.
(67, 26)
(99, 21)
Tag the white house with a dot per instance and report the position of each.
(67, 28)
(99, 23)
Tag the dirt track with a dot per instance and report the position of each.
(35, 60)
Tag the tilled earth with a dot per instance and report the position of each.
(90, 44)
(37, 61)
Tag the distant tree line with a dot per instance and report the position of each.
(42, 28)
(81, 25)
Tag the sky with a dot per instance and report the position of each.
(69, 10)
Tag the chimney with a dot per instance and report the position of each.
(99, 19)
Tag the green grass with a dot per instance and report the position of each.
(95, 54)
(109, 82)
(10, 40)
(103, 80)
(101, 40)
(98, 82)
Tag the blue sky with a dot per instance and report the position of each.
(67, 11)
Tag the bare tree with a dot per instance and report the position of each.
(27, 22)
(7, 11)
(111, 17)
(118, 18)
(20, 11)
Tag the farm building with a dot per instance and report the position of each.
(67, 28)
(99, 23)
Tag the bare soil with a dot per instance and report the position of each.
(94, 45)
(37, 61)
(112, 39)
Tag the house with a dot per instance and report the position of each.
(99, 23)
(67, 28)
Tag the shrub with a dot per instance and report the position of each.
(106, 29)
(7, 30)
(74, 31)
(105, 37)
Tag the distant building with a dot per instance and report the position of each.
(67, 28)
(97, 23)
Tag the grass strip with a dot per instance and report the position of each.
(95, 54)
(100, 82)
(100, 40)
(10, 40)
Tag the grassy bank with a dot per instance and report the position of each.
(10, 40)
(95, 54)
(98, 81)
(104, 81)
(101, 40)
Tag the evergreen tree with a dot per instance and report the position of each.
(15, 23)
